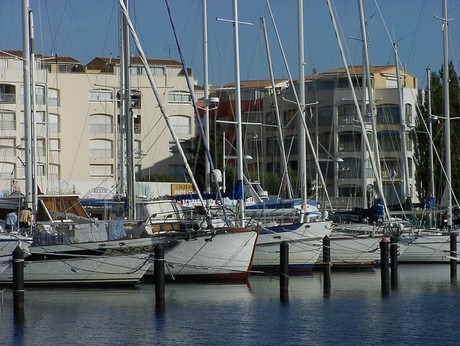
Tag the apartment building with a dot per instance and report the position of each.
(335, 131)
(77, 123)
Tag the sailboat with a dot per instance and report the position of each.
(203, 252)
(74, 264)
(303, 232)
(433, 246)
(356, 244)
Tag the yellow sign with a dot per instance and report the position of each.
(181, 188)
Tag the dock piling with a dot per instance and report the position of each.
(385, 269)
(18, 284)
(327, 264)
(453, 256)
(394, 262)
(284, 271)
(159, 277)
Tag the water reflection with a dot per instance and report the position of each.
(421, 311)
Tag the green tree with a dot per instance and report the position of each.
(421, 158)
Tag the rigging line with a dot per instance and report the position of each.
(300, 107)
(358, 110)
(197, 114)
(159, 101)
(416, 31)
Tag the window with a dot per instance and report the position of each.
(54, 144)
(40, 169)
(100, 95)
(40, 117)
(53, 98)
(157, 71)
(346, 115)
(179, 97)
(100, 123)
(388, 114)
(391, 168)
(136, 70)
(349, 141)
(7, 93)
(181, 124)
(67, 68)
(54, 172)
(325, 116)
(349, 168)
(40, 95)
(41, 152)
(54, 126)
(325, 85)
(344, 83)
(100, 148)
(7, 120)
(408, 110)
(389, 141)
(138, 152)
(136, 99)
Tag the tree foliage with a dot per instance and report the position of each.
(421, 158)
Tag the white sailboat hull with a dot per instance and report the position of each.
(90, 270)
(425, 249)
(305, 245)
(354, 250)
(227, 255)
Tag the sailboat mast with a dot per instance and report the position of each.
(358, 110)
(128, 117)
(121, 167)
(402, 112)
(430, 148)
(27, 102)
(33, 113)
(206, 92)
(277, 113)
(239, 130)
(445, 78)
(302, 139)
(370, 92)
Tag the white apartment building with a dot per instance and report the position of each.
(337, 135)
(77, 116)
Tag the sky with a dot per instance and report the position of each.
(86, 29)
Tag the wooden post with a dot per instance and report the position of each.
(385, 270)
(327, 264)
(18, 284)
(159, 277)
(284, 271)
(453, 256)
(394, 262)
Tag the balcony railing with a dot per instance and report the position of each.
(7, 98)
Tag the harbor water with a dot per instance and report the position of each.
(422, 310)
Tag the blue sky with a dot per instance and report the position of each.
(85, 29)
